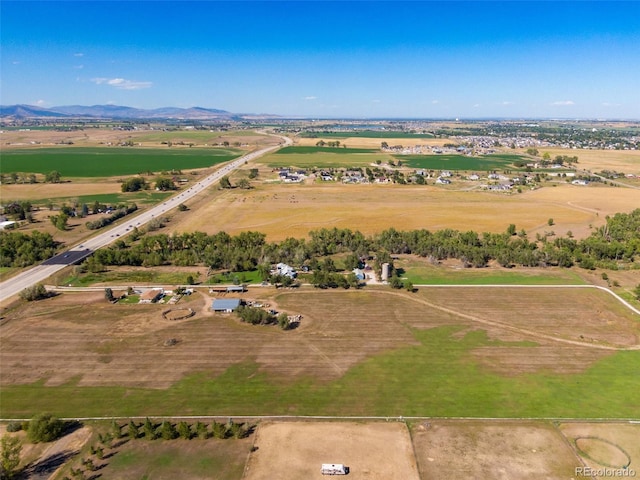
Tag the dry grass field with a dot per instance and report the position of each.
(600, 445)
(364, 142)
(17, 139)
(625, 161)
(569, 331)
(491, 450)
(282, 211)
(296, 451)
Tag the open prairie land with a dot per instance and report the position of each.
(451, 352)
(282, 211)
(90, 137)
(492, 450)
(625, 161)
(368, 142)
(296, 450)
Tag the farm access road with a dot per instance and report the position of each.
(75, 254)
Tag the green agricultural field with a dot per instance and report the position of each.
(438, 377)
(460, 162)
(366, 134)
(111, 161)
(143, 197)
(419, 272)
(322, 157)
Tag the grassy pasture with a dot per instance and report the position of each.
(283, 210)
(420, 271)
(460, 162)
(111, 161)
(374, 352)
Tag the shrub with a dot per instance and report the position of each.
(35, 292)
(44, 428)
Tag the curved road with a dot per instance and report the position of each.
(39, 273)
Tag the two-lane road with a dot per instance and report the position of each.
(39, 273)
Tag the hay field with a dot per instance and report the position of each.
(38, 191)
(491, 450)
(449, 353)
(282, 211)
(626, 161)
(91, 137)
(364, 142)
(296, 450)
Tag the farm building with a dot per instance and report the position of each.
(152, 296)
(226, 305)
(228, 289)
(286, 270)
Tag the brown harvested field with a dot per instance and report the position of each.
(363, 142)
(590, 317)
(282, 211)
(296, 451)
(126, 346)
(492, 450)
(600, 445)
(21, 139)
(39, 191)
(624, 161)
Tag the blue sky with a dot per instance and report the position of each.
(328, 59)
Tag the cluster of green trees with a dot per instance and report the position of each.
(163, 184)
(260, 316)
(134, 184)
(611, 246)
(119, 213)
(19, 210)
(18, 249)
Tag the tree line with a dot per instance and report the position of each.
(614, 245)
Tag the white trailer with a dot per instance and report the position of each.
(334, 469)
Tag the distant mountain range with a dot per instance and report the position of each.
(22, 112)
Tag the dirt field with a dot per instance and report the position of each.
(296, 451)
(281, 211)
(610, 445)
(126, 347)
(492, 450)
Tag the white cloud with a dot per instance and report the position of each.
(609, 104)
(563, 103)
(121, 83)
(78, 54)
(507, 103)
(78, 67)
(435, 102)
(311, 97)
(476, 105)
(40, 103)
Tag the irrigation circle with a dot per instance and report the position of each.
(618, 457)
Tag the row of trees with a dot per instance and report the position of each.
(21, 177)
(104, 221)
(611, 246)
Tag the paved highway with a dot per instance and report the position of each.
(39, 273)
